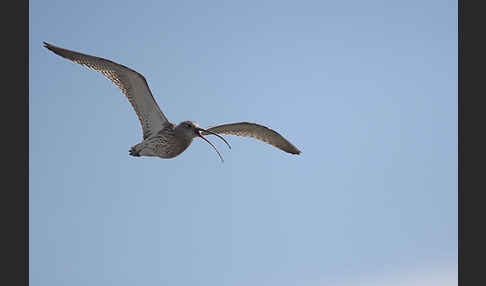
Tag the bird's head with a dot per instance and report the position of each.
(190, 129)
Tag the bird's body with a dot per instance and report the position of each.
(169, 142)
(162, 138)
(164, 144)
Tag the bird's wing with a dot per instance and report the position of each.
(256, 131)
(132, 84)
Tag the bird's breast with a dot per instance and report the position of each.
(168, 145)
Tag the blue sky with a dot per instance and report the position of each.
(367, 91)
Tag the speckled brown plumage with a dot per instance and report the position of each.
(132, 84)
(162, 138)
(262, 133)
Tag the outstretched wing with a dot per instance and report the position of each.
(256, 131)
(132, 84)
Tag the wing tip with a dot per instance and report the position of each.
(295, 152)
(291, 149)
(50, 47)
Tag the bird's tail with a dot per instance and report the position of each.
(134, 152)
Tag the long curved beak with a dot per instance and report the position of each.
(198, 131)
(220, 137)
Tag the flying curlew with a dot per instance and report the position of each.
(162, 138)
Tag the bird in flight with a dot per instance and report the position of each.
(162, 138)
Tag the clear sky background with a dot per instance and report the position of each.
(366, 89)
